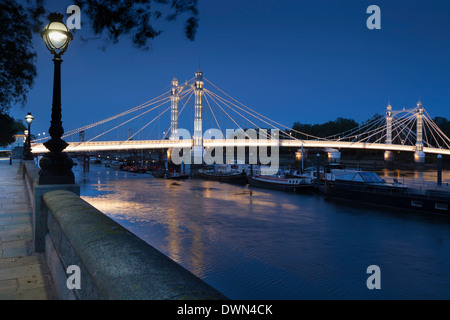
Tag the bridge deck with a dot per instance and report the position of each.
(165, 144)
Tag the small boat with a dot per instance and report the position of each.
(159, 173)
(325, 173)
(136, 169)
(225, 173)
(281, 183)
(113, 164)
(176, 176)
(232, 177)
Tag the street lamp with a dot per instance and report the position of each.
(27, 155)
(56, 166)
(56, 35)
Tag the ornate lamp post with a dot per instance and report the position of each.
(27, 155)
(56, 166)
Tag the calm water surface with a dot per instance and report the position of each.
(263, 244)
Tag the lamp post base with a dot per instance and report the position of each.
(27, 155)
(56, 168)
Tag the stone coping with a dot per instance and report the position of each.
(115, 263)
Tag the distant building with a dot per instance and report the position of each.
(18, 144)
(16, 148)
(20, 140)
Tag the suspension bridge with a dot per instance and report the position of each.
(407, 130)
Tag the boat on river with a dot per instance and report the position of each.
(176, 176)
(134, 169)
(369, 187)
(223, 173)
(160, 172)
(296, 184)
(324, 173)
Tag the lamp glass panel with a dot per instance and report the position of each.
(57, 35)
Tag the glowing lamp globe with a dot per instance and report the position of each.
(29, 118)
(56, 35)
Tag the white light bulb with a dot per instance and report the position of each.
(58, 39)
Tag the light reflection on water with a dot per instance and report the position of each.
(262, 244)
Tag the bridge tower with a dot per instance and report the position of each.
(389, 155)
(419, 155)
(174, 98)
(198, 131)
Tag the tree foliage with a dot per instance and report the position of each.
(135, 18)
(112, 20)
(17, 58)
(325, 129)
(443, 124)
(8, 128)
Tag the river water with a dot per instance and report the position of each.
(261, 244)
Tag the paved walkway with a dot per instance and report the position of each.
(24, 275)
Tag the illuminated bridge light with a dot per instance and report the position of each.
(164, 144)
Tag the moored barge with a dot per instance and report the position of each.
(281, 183)
(368, 187)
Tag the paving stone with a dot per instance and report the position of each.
(15, 221)
(14, 207)
(35, 281)
(24, 275)
(16, 214)
(20, 272)
(8, 287)
(45, 293)
(17, 248)
(11, 235)
(35, 259)
(17, 227)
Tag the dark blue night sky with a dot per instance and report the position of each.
(292, 60)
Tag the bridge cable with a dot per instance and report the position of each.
(224, 101)
(125, 122)
(302, 133)
(89, 126)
